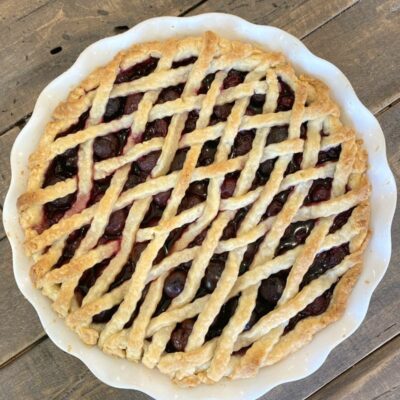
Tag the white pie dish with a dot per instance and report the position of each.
(121, 373)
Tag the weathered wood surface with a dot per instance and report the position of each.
(359, 37)
(20, 326)
(6, 143)
(30, 30)
(297, 17)
(376, 377)
(361, 41)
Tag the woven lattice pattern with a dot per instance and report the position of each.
(197, 206)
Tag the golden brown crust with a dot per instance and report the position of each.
(267, 342)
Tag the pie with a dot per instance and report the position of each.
(197, 206)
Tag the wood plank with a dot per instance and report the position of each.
(20, 326)
(375, 377)
(360, 41)
(53, 374)
(2, 233)
(6, 142)
(297, 17)
(30, 30)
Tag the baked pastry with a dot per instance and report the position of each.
(197, 206)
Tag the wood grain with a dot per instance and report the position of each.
(20, 326)
(46, 372)
(6, 142)
(297, 17)
(2, 233)
(376, 377)
(361, 41)
(30, 30)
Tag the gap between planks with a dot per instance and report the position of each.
(333, 18)
(24, 350)
(365, 378)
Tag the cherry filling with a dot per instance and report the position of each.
(98, 189)
(55, 210)
(128, 269)
(62, 167)
(77, 126)
(269, 293)
(65, 166)
(173, 286)
(110, 145)
(295, 164)
(179, 160)
(206, 84)
(331, 154)
(340, 220)
(324, 261)
(222, 319)
(256, 104)
(317, 307)
(170, 93)
(277, 203)
(137, 71)
(198, 240)
(180, 336)
(220, 113)
(263, 173)
(208, 152)
(119, 106)
(229, 184)
(234, 224)
(320, 191)
(286, 97)
(195, 194)
(242, 143)
(234, 78)
(153, 214)
(295, 234)
(115, 225)
(184, 62)
(72, 243)
(156, 128)
(135, 177)
(212, 274)
(105, 316)
(249, 255)
(190, 124)
(175, 283)
(88, 279)
(148, 162)
(277, 134)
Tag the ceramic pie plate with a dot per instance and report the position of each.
(124, 374)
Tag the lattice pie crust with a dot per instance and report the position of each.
(196, 206)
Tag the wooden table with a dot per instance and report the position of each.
(40, 39)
